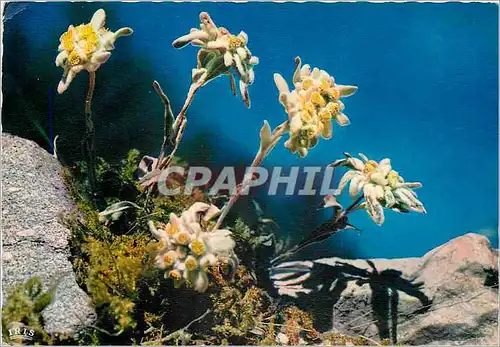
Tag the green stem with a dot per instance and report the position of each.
(178, 127)
(89, 136)
(277, 134)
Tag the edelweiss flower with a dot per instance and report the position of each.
(220, 51)
(382, 187)
(311, 106)
(86, 47)
(187, 249)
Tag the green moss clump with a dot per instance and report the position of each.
(239, 309)
(113, 271)
(338, 339)
(22, 320)
(298, 326)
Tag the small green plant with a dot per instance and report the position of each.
(23, 312)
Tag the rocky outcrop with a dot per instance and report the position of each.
(35, 243)
(449, 296)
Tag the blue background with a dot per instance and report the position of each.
(428, 99)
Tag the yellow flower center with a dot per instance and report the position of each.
(307, 83)
(305, 116)
(86, 32)
(308, 132)
(325, 115)
(171, 229)
(333, 107)
(67, 41)
(183, 238)
(370, 165)
(169, 258)
(74, 59)
(393, 178)
(161, 244)
(191, 264)
(175, 274)
(324, 85)
(234, 42)
(87, 37)
(197, 247)
(89, 47)
(317, 99)
(309, 108)
(334, 93)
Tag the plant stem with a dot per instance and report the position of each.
(178, 126)
(89, 136)
(328, 229)
(352, 207)
(277, 134)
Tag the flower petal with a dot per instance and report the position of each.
(193, 35)
(344, 180)
(98, 19)
(219, 242)
(239, 65)
(251, 76)
(265, 137)
(375, 211)
(281, 83)
(243, 37)
(403, 197)
(409, 185)
(100, 57)
(253, 60)
(244, 93)
(208, 259)
(357, 183)
(315, 73)
(346, 91)
(228, 59)
(123, 32)
(296, 74)
(200, 281)
(305, 70)
(379, 178)
(331, 201)
(220, 43)
(342, 119)
(241, 52)
(389, 198)
(67, 79)
(385, 166)
(302, 152)
(61, 58)
(356, 163)
(364, 157)
(327, 131)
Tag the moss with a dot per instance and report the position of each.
(338, 339)
(238, 308)
(113, 271)
(22, 314)
(298, 326)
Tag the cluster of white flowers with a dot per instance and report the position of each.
(231, 49)
(86, 47)
(382, 187)
(311, 106)
(187, 248)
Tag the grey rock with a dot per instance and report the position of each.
(448, 296)
(35, 243)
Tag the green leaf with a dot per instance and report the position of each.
(43, 301)
(34, 287)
